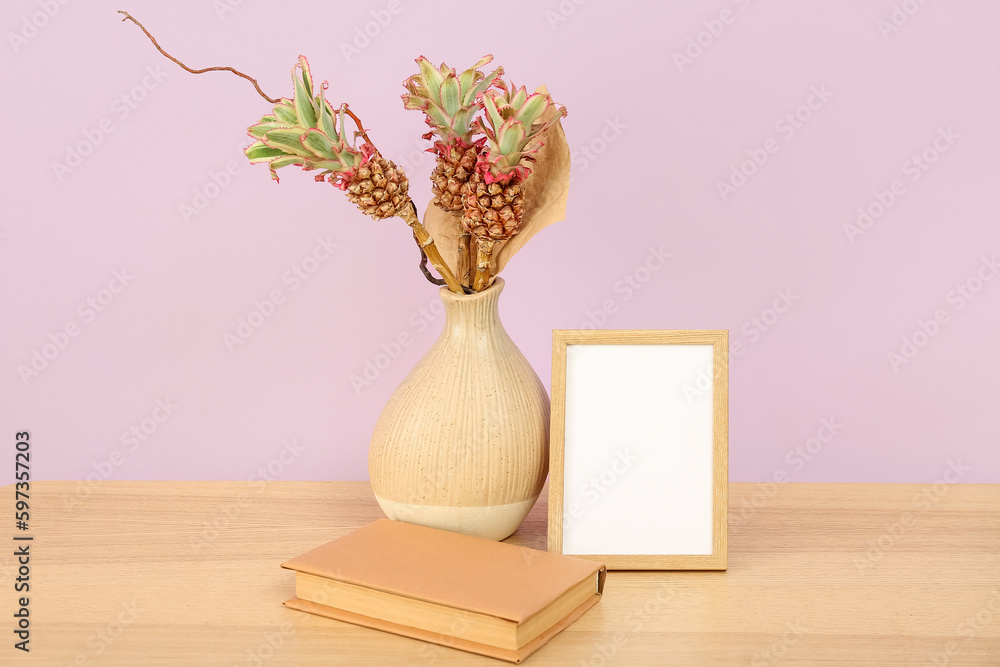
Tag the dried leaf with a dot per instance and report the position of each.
(545, 196)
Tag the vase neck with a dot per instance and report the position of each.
(479, 313)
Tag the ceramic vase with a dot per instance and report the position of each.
(463, 443)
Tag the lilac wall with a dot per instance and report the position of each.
(847, 106)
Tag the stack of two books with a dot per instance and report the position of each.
(486, 597)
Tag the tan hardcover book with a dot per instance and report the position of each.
(496, 599)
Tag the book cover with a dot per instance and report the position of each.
(466, 573)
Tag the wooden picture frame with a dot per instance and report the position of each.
(638, 458)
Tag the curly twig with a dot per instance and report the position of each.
(423, 265)
(408, 212)
(361, 128)
(129, 17)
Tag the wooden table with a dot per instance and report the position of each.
(186, 573)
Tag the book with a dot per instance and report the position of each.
(469, 593)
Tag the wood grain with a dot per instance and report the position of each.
(836, 574)
(719, 340)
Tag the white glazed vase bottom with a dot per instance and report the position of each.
(463, 442)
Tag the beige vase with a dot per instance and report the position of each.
(463, 443)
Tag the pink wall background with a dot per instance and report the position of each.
(652, 136)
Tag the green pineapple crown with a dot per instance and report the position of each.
(449, 100)
(509, 120)
(307, 132)
(513, 123)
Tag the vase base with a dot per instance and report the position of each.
(494, 522)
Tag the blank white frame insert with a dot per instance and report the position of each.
(639, 448)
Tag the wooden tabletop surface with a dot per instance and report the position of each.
(187, 573)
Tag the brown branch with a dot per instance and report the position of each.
(361, 128)
(484, 255)
(423, 265)
(408, 212)
(129, 17)
(464, 257)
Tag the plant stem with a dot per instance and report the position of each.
(423, 266)
(409, 211)
(347, 110)
(484, 253)
(361, 128)
(465, 258)
(409, 215)
(129, 17)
